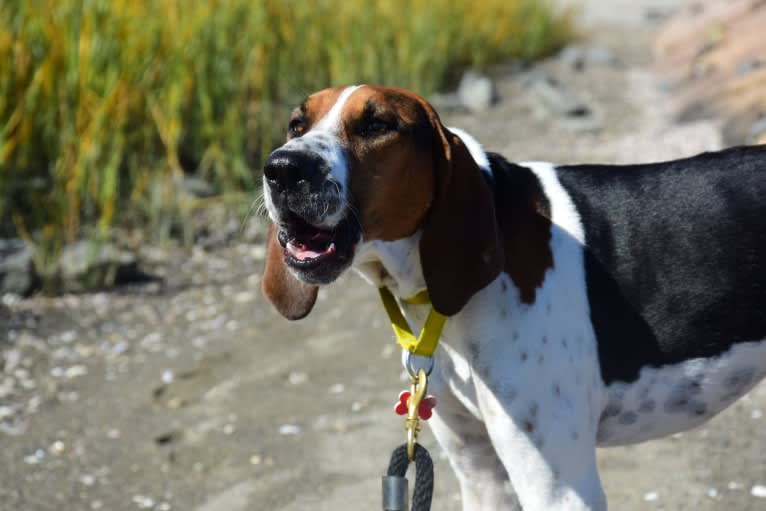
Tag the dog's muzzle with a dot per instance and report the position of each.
(299, 183)
(317, 237)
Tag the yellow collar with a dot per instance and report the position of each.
(425, 343)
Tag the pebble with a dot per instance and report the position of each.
(143, 502)
(120, 348)
(168, 376)
(244, 297)
(10, 299)
(6, 412)
(67, 336)
(258, 252)
(34, 403)
(651, 496)
(58, 447)
(175, 403)
(75, 372)
(758, 128)
(388, 349)
(555, 98)
(758, 491)
(476, 91)
(87, 479)
(7, 387)
(756, 414)
(337, 388)
(296, 377)
(289, 429)
(34, 458)
(16, 428)
(734, 485)
(12, 360)
(748, 67)
(712, 493)
(256, 459)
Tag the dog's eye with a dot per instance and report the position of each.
(376, 127)
(296, 128)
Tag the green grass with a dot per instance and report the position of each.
(105, 104)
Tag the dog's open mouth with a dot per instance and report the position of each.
(317, 254)
(306, 245)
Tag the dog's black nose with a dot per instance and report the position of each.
(289, 170)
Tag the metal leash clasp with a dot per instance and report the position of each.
(418, 389)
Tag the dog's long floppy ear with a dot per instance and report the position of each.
(460, 248)
(291, 297)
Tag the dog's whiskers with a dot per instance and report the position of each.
(257, 208)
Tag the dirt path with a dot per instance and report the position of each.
(193, 395)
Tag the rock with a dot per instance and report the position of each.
(86, 265)
(578, 58)
(196, 187)
(758, 129)
(572, 57)
(601, 56)
(17, 271)
(749, 66)
(555, 98)
(476, 92)
(447, 102)
(220, 235)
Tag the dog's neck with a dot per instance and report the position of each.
(393, 264)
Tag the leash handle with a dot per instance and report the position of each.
(395, 484)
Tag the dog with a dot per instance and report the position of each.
(587, 305)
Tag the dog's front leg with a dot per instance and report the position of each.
(547, 450)
(484, 483)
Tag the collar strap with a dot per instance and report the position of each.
(425, 343)
(421, 298)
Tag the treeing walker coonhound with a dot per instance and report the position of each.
(588, 305)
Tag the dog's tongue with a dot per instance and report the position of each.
(302, 252)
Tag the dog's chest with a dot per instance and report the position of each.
(539, 356)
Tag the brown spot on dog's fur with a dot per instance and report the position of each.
(317, 105)
(523, 213)
(391, 174)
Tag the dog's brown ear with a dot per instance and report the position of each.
(460, 248)
(291, 297)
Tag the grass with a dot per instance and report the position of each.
(106, 104)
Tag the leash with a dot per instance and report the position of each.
(395, 484)
(415, 404)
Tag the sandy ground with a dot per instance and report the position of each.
(192, 394)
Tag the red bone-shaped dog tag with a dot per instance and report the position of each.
(424, 410)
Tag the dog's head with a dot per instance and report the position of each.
(374, 163)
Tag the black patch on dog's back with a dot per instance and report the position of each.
(674, 256)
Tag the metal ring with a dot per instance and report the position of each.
(413, 370)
